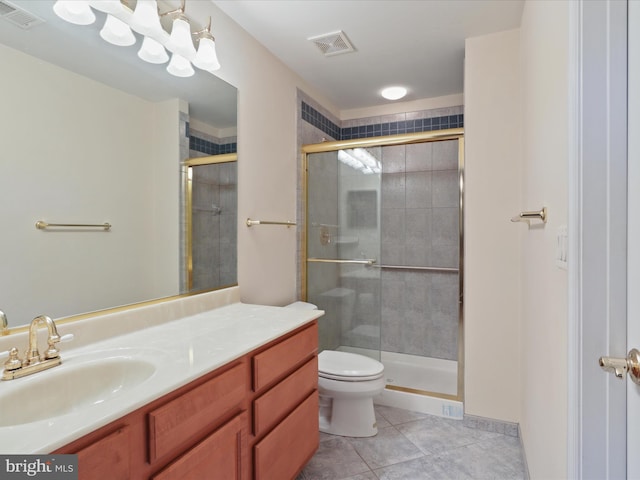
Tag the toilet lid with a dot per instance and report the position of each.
(348, 366)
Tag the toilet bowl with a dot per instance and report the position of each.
(347, 383)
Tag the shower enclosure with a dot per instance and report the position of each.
(211, 222)
(384, 259)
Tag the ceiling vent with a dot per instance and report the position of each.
(18, 16)
(333, 43)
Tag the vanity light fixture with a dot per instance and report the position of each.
(121, 22)
(393, 93)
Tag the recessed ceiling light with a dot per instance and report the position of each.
(393, 93)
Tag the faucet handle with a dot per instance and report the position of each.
(52, 351)
(13, 362)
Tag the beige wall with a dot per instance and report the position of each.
(58, 166)
(544, 51)
(493, 172)
(267, 162)
(516, 126)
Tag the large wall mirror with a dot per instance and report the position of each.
(91, 134)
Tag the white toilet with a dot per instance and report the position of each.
(347, 383)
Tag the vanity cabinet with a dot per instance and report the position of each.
(285, 408)
(256, 417)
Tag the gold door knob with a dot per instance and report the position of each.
(620, 366)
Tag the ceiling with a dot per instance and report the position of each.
(415, 43)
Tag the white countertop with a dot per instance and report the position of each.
(181, 350)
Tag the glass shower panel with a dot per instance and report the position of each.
(343, 240)
(383, 259)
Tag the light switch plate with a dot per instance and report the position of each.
(561, 247)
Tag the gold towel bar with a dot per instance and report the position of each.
(41, 225)
(250, 223)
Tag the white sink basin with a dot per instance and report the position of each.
(70, 387)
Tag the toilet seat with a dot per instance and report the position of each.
(348, 367)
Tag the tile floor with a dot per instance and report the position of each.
(415, 446)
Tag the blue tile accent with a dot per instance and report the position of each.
(315, 118)
(210, 148)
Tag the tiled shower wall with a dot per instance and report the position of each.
(420, 228)
(214, 225)
(416, 311)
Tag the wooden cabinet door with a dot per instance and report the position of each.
(220, 456)
(283, 452)
(108, 457)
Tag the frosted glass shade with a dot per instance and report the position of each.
(145, 17)
(74, 11)
(116, 32)
(152, 51)
(180, 66)
(108, 6)
(206, 57)
(180, 39)
(393, 93)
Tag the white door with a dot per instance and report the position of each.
(598, 231)
(633, 241)
(633, 250)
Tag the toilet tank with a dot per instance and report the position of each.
(302, 306)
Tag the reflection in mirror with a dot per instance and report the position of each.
(212, 214)
(90, 134)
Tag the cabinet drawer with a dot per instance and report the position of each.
(275, 362)
(284, 451)
(274, 405)
(189, 416)
(109, 454)
(217, 457)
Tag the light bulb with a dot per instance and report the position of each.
(206, 58)
(152, 51)
(116, 32)
(145, 17)
(180, 66)
(180, 39)
(74, 11)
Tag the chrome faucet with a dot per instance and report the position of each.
(34, 362)
(4, 325)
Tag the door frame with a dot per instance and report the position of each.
(597, 234)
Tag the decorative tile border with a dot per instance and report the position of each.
(315, 118)
(208, 147)
(318, 120)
